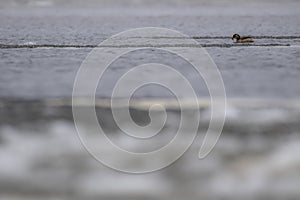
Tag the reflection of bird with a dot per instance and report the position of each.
(238, 39)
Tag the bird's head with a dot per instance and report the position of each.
(236, 36)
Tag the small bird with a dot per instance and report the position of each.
(238, 39)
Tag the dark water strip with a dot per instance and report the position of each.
(20, 46)
(227, 37)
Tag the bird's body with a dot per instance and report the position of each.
(238, 39)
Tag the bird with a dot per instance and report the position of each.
(238, 39)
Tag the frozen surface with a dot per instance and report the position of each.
(62, 34)
(42, 45)
(249, 72)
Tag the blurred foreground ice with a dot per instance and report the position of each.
(257, 157)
